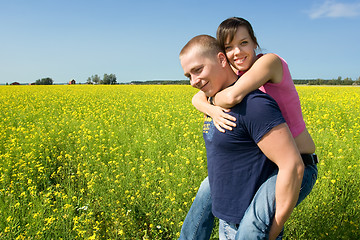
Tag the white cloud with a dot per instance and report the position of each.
(333, 9)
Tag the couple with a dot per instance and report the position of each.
(260, 155)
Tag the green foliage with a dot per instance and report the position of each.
(107, 79)
(44, 81)
(332, 210)
(162, 82)
(94, 79)
(125, 162)
(339, 81)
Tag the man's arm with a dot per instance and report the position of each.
(279, 146)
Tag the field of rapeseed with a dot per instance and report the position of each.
(125, 162)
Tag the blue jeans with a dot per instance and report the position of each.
(257, 219)
(199, 221)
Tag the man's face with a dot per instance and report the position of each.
(204, 72)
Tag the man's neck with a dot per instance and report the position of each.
(231, 79)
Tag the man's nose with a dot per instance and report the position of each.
(194, 81)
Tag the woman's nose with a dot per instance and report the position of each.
(237, 50)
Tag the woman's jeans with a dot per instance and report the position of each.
(257, 219)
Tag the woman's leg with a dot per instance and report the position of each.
(258, 217)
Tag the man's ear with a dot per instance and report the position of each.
(222, 59)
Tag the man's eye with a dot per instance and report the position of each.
(198, 70)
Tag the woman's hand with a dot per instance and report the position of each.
(222, 120)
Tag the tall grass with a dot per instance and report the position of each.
(332, 210)
(125, 162)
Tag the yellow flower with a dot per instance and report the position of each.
(67, 206)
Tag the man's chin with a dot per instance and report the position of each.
(208, 94)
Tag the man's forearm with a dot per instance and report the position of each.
(288, 185)
(279, 146)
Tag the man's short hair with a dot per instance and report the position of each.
(207, 45)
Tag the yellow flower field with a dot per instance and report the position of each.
(125, 162)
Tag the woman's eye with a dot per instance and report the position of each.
(228, 49)
(244, 43)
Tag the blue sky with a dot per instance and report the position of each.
(140, 40)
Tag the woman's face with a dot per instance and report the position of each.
(241, 50)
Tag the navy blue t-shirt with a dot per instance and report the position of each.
(236, 165)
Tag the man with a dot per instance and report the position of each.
(240, 161)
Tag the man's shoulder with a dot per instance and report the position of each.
(251, 98)
(256, 92)
(255, 104)
(257, 96)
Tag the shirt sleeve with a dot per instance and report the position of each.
(262, 114)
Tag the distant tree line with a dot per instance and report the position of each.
(44, 81)
(338, 81)
(107, 79)
(161, 82)
(111, 79)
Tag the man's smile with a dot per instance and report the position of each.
(203, 86)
